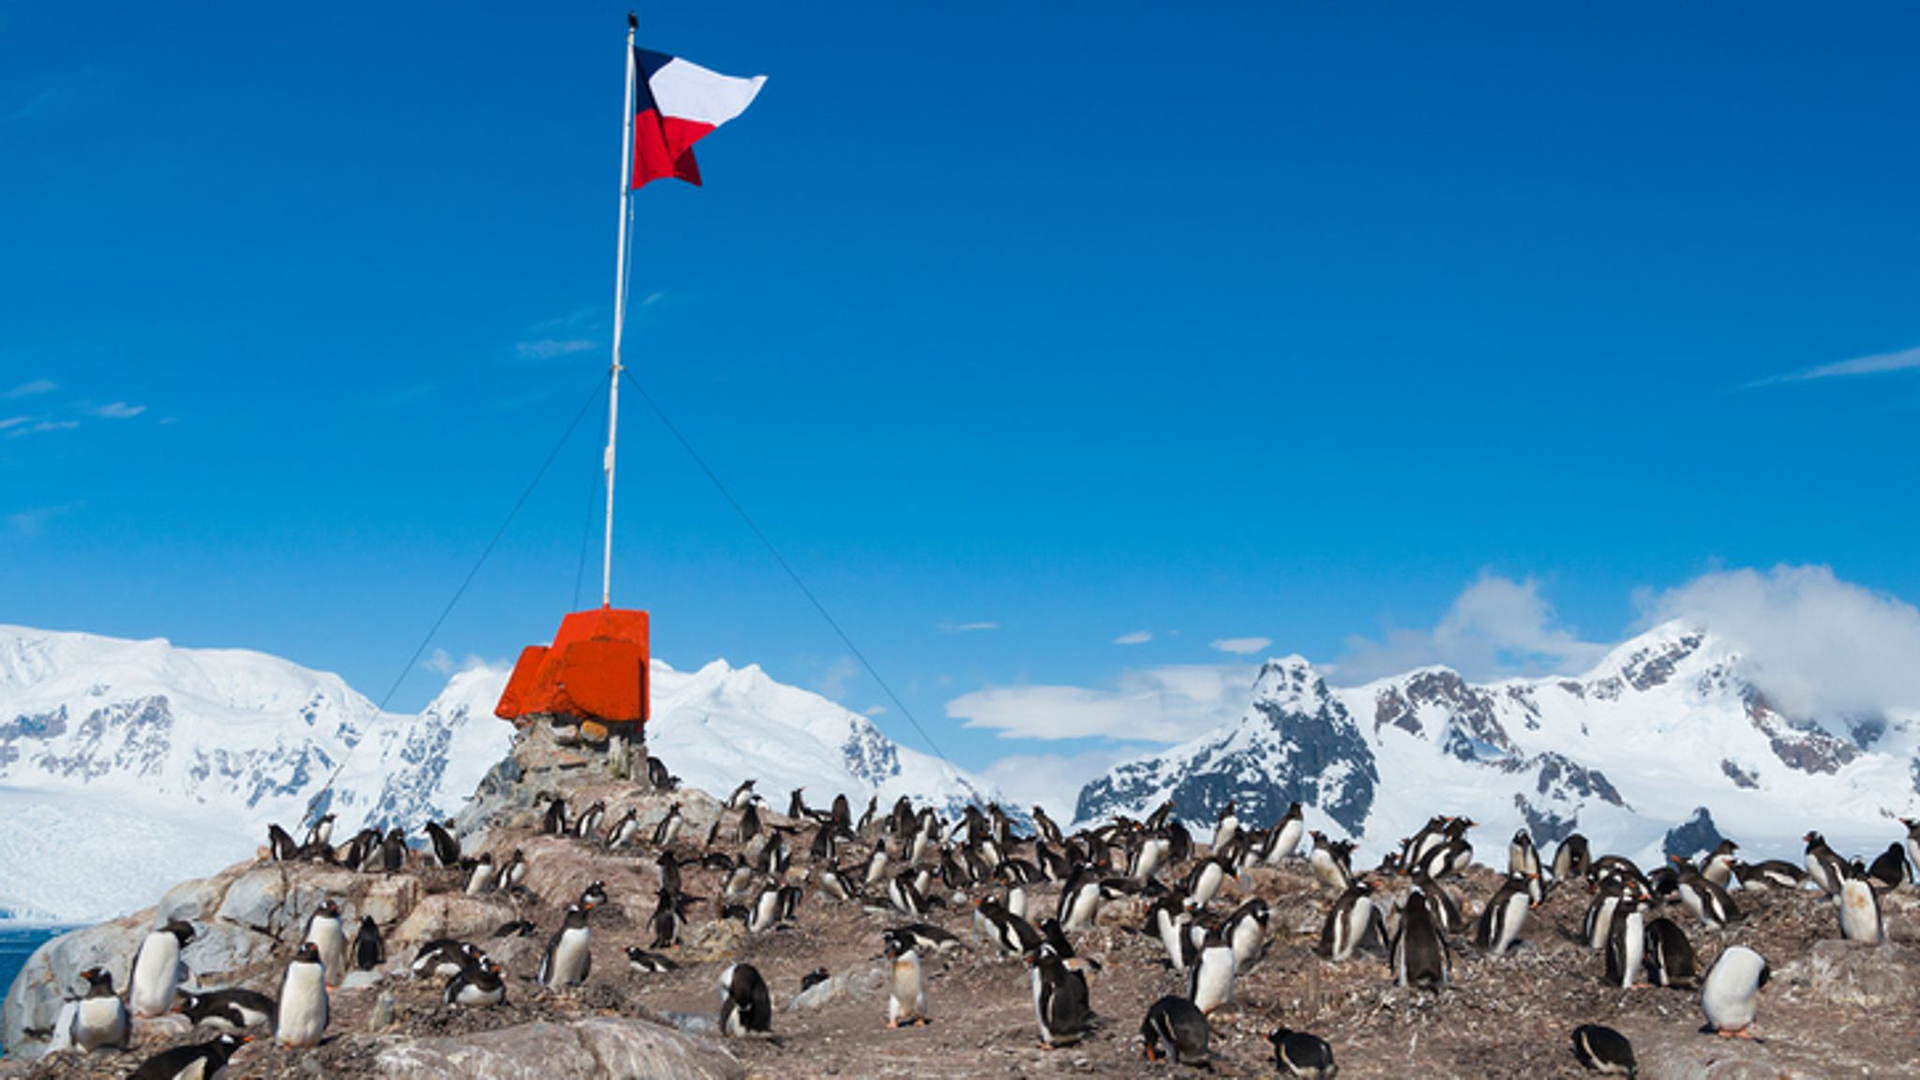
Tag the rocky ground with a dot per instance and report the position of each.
(1834, 1009)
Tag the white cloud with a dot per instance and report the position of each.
(874, 710)
(968, 627)
(550, 348)
(1241, 646)
(1138, 637)
(832, 682)
(1881, 364)
(37, 386)
(1053, 781)
(119, 410)
(1496, 627)
(444, 663)
(36, 426)
(34, 521)
(1164, 705)
(1817, 645)
(13, 421)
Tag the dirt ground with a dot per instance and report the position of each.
(1832, 1010)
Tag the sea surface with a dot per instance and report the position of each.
(16, 945)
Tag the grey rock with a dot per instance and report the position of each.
(866, 983)
(220, 949)
(257, 900)
(191, 901)
(595, 1049)
(50, 976)
(1858, 973)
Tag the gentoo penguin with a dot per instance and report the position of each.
(658, 778)
(748, 826)
(838, 884)
(1177, 1025)
(905, 896)
(199, 1061)
(1627, 944)
(1522, 857)
(1600, 911)
(742, 796)
(593, 896)
(667, 919)
(320, 833)
(1859, 909)
(745, 1004)
(1604, 1050)
(1913, 841)
(100, 1021)
(1571, 859)
(280, 844)
(554, 823)
(668, 827)
(1225, 827)
(1048, 830)
(1284, 837)
(927, 938)
(624, 831)
(1246, 931)
(648, 963)
(393, 851)
(1419, 951)
(1210, 983)
(1297, 1053)
(477, 986)
(228, 1010)
(1825, 868)
(1730, 991)
(1170, 919)
(1889, 871)
(369, 951)
(513, 928)
(481, 877)
(1205, 878)
(1326, 865)
(514, 874)
(765, 909)
(1770, 873)
(875, 869)
(588, 823)
(1669, 956)
(302, 1016)
(1717, 867)
(1708, 902)
(1059, 999)
(1446, 910)
(329, 937)
(1014, 935)
(568, 958)
(446, 849)
(154, 982)
(1079, 899)
(442, 957)
(1505, 916)
(907, 996)
(1348, 922)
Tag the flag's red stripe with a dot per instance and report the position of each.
(663, 147)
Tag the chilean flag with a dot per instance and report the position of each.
(676, 104)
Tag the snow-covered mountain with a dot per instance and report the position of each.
(1665, 724)
(126, 766)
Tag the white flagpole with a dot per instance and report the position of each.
(619, 310)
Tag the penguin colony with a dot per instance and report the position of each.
(909, 870)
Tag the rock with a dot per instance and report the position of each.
(220, 949)
(1860, 974)
(256, 900)
(191, 901)
(152, 1030)
(596, 1049)
(865, 983)
(311, 888)
(49, 977)
(450, 915)
(361, 980)
(389, 900)
(716, 940)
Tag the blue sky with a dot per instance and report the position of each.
(1021, 329)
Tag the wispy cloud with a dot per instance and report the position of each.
(550, 348)
(832, 682)
(1241, 646)
(55, 91)
(27, 389)
(1882, 364)
(443, 662)
(1138, 637)
(1496, 627)
(1053, 781)
(39, 425)
(34, 521)
(968, 627)
(119, 410)
(1164, 704)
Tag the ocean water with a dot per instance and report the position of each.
(16, 945)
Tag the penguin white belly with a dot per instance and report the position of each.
(1729, 995)
(1246, 941)
(1213, 979)
(1170, 935)
(1512, 919)
(482, 878)
(1859, 912)
(328, 936)
(98, 1022)
(1085, 904)
(1286, 843)
(1352, 929)
(908, 1002)
(1148, 862)
(1017, 902)
(1223, 835)
(766, 911)
(567, 964)
(303, 1006)
(156, 975)
(1210, 878)
(1633, 949)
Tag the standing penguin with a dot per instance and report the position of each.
(1079, 899)
(1298, 1053)
(100, 1021)
(329, 937)
(1246, 931)
(745, 1004)
(1059, 999)
(588, 823)
(1860, 910)
(568, 958)
(1729, 994)
(1284, 837)
(1210, 983)
(302, 1016)
(1505, 916)
(1604, 1050)
(1348, 922)
(1825, 868)
(624, 831)
(154, 982)
(1627, 945)
(554, 823)
(446, 849)
(1179, 1026)
(1522, 857)
(196, 1061)
(907, 995)
(1419, 951)
(1571, 859)
(1669, 956)
(393, 851)
(1225, 827)
(481, 878)
(369, 950)
(513, 875)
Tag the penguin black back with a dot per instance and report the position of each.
(1298, 1053)
(1177, 1029)
(1604, 1050)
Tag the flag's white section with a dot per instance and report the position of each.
(687, 91)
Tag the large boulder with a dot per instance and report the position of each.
(51, 975)
(596, 1049)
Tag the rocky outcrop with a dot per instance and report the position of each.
(602, 1048)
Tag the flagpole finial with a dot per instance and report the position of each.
(633, 21)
